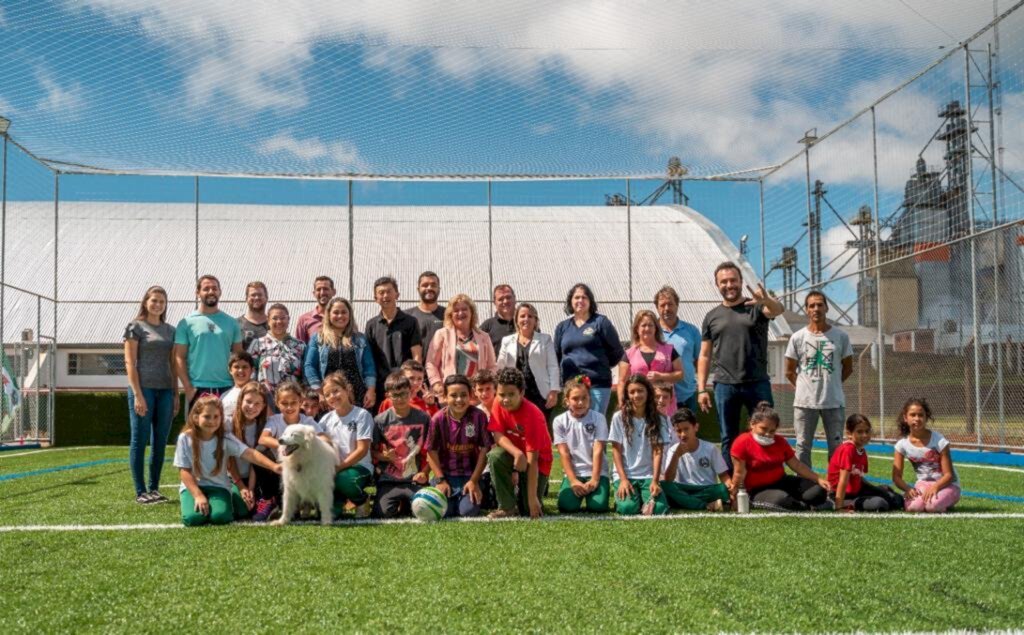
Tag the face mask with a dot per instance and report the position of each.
(764, 440)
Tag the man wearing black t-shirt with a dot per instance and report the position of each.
(734, 345)
(503, 323)
(428, 313)
(394, 335)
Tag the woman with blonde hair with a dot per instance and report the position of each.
(152, 392)
(459, 347)
(339, 346)
(651, 356)
(533, 353)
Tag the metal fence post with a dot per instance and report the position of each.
(878, 278)
(490, 240)
(3, 252)
(56, 287)
(973, 243)
(998, 339)
(195, 245)
(810, 221)
(351, 248)
(629, 242)
(39, 364)
(764, 261)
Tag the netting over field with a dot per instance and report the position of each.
(439, 88)
(152, 141)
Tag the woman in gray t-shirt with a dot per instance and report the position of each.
(152, 392)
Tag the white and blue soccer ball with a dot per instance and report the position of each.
(429, 504)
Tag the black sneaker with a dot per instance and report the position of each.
(157, 497)
(145, 498)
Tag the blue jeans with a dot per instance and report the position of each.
(599, 398)
(152, 429)
(458, 503)
(690, 402)
(729, 400)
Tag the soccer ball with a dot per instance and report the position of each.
(429, 504)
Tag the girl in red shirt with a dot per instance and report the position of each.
(758, 457)
(848, 467)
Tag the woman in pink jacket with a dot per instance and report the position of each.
(460, 347)
(650, 356)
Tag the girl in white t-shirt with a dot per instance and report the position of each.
(351, 431)
(200, 456)
(580, 434)
(937, 487)
(256, 484)
(638, 435)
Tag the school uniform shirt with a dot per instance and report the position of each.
(637, 455)
(458, 442)
(250, 437)
(580, 435)
(927, 460)
(700, 467)
(527, 429)
(848, 457)
(277, 425)
(407, 436)
(229, 401)
(207, 460)
(764, 464)
(348, 431)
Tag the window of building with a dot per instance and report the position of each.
(96, 364)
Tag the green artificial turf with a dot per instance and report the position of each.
(811, 573)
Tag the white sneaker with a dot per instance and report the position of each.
(715, 506)
(363, 511)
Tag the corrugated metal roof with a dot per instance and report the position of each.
(112, 251)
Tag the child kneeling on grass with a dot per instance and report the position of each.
(638, 434)
(848, 467)
(250, 418)
(522, 446)
(457, 446)
(201, 454)
(937, 487)
(399, 435)
(581, 435)
(696, 476)
(758, 457)
(350, 429)
(288, 398)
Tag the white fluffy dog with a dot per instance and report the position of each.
(308, 477)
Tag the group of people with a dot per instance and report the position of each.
(433, 395)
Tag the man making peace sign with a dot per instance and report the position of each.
(734, 344)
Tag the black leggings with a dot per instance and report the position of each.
(268, 484)
(871, 498)
(789, 493)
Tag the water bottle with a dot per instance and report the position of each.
(742, 501)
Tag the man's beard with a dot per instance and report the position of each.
(210, 301)
(428, 296)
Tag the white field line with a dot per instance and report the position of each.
(8, 454)
(973, 466)
(553, 519)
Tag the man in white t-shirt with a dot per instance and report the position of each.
(819, 359)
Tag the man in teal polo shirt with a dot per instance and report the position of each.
(203, 342)
(685, 338)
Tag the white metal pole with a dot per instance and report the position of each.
(878, 279)
(976, 318)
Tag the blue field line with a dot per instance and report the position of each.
(23, 446)
(59, 468)
(959, 456)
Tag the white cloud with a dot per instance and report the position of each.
(339, 156)
(65, 102)
(725, 84)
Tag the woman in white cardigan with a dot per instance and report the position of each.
(534, 354)
(460, 347)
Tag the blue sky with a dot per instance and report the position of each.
(587, 87)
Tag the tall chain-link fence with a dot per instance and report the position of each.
(907, 216)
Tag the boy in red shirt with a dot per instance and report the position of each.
(416, 374)
(522, 445)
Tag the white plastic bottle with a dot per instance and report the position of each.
(742, 501)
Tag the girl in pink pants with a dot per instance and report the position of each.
(937, 487)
